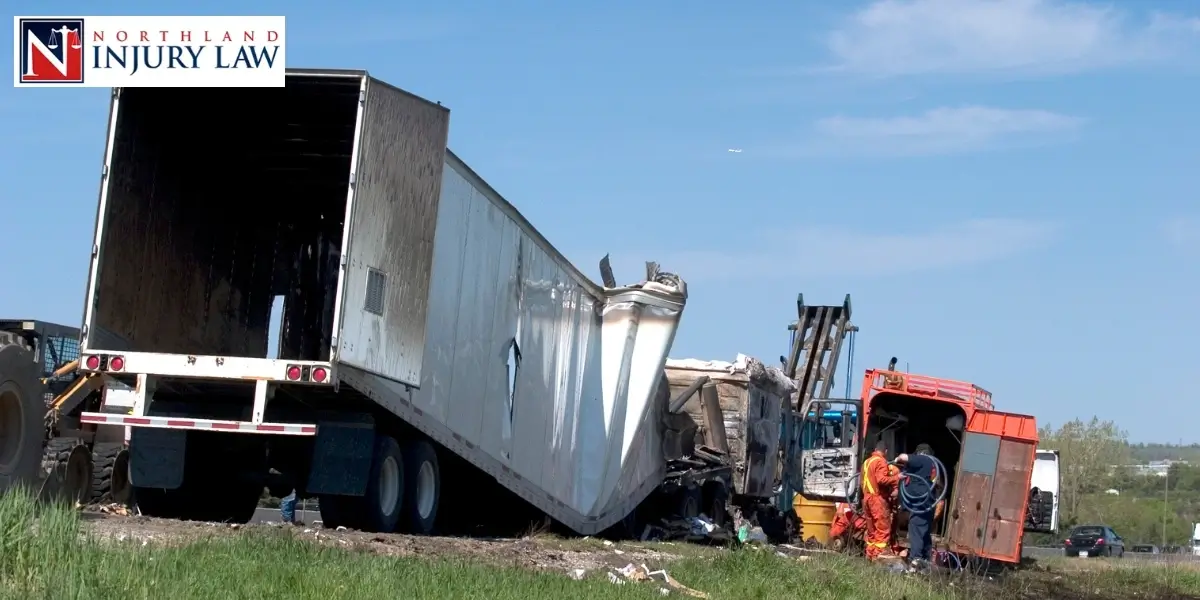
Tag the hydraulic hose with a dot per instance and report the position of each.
(924, 501)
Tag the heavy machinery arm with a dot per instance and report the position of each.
(42, 445)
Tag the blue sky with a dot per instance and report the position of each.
(1002, 187)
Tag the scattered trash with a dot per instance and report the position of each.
(618, 552)
(340, 528)
(747, 534)
(577, 574)
(114, 509)
(607, 543)
(701, 525)
(643, 573)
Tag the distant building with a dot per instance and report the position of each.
(1156, 468)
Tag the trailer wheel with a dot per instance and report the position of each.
(385, 488)
(337, 511)
(154, 502)
(423, 487)
(110, 473)
(22, 418)
(716, 501)
(690, 501)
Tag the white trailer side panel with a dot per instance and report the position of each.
(393, 211)
(575, 431)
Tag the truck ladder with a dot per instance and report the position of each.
(817, 336)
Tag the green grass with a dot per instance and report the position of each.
(45, 553)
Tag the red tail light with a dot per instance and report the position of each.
(92, 362)
(293, 373)
(1066, 542)
(116, 363)
(319, 374)
(1100, 542)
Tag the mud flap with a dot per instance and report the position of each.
(22, 417)
(157, 458)
(342, 456)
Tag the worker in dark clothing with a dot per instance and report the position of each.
(920, 522)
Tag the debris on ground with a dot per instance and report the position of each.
(643, 573)
(112, 508)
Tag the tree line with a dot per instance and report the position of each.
(1099, 485)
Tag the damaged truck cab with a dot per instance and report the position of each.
(989, 455)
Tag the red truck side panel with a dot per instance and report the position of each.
(992, 489)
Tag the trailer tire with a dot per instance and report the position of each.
(335, 511)
(690, 501)
(22, 418)
(67, 464)
(422, 488)
(716, 502)
(158, 503)
(110, 473)
(384, 499)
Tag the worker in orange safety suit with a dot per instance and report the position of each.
(879, 481)
(847, 525)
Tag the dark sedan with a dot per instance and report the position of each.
(1093, 540)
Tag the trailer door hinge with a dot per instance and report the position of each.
(362, 96)
(353, 178)
(104, 171)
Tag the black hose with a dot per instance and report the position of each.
(920, 502)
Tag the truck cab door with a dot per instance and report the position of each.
(1042, 516)
(991, 489)
(826, 438)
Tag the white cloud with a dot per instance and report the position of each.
(1039, 37)
(1182, 232)
(864, 254)
(939, 131)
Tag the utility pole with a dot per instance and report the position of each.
(1166, 492)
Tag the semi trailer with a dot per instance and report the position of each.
(428, 334)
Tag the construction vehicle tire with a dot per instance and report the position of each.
(422, 488)
(67, 464)
(110, 473)
(22, 418)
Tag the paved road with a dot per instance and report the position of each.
(1035, 552)
(266, 515)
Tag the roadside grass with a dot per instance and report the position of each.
(45, 552)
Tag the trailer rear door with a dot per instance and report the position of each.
(992, 485)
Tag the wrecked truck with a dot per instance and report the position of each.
(427, 333)
(722, 440)
(989, 457)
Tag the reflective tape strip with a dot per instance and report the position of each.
(868, 487)
(199, 424)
